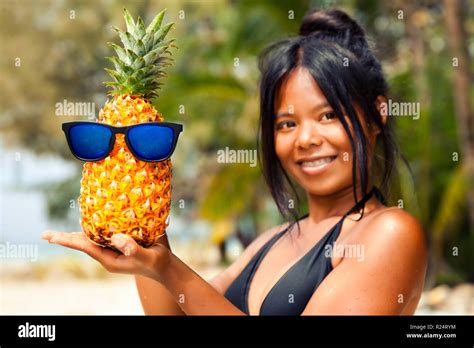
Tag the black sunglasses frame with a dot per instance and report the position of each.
(176, 127)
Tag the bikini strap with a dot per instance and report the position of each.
(358, 206)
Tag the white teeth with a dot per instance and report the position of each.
(318, 162)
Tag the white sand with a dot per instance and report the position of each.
(71, 296)
(113, 295)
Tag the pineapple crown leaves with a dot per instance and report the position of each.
(140, 62)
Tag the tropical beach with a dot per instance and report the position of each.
(220, 202)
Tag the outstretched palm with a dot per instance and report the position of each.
(130, 258)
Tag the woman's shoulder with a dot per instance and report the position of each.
(395, 219)
(392, 227)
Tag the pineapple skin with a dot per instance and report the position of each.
(121, 194)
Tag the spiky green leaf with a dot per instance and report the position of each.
(139, 48)
(156, 22)
(139, 29)
(138, 63)
(122, 55)
(131, 39)
(161, 33)
(129, 21)
(126, 42)
(120, 67)
(115, 75)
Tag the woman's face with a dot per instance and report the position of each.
(310, 141)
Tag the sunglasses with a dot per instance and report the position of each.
(149, 142)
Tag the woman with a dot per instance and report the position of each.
(321, 94)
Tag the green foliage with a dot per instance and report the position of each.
(231, 192)
(450, 279)
(140, 63)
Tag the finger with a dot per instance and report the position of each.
(130, 248)
(111, 260)
(71, 240)
(47, 235)
(78, 241)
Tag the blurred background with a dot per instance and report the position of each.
(53, 51)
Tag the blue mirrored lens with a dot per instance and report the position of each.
(89, 141)
(151, 142)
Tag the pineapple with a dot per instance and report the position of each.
(121, 194)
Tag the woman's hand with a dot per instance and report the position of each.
(132, 258)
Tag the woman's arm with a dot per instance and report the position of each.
(387, 280)
(154, 297)
(194, 295)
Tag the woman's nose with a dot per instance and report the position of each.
(308, 135)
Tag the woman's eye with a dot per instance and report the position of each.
(285, 124)
(328, 116)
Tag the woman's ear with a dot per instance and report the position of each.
(382, 107)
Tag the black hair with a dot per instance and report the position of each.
(330, 44)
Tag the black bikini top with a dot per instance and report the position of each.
(290, 295)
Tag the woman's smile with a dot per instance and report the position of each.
(316, 164)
